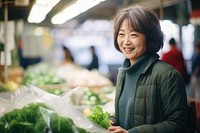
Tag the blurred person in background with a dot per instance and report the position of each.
(150, 94)
(175, 58)
(68, 64)
(194, 91)
(67, 67)
(196, 55)
(95, 61)
(68, 58)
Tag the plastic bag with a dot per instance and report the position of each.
(56, 108)
(3, 104)
(77, 115)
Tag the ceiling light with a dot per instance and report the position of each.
(74, 10)
(40, 9)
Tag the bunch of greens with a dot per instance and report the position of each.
(100, 117)
(30, 119)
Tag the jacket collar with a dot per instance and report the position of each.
(153, 58)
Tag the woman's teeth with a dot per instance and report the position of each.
(128, 49)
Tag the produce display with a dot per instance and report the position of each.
(55, 91)
(33, 110)
(83, 77)
(91, 97)
(37, 118)
(41, 74)
(52, 109)
(9, 86)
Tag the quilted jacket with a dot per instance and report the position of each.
(160, 99)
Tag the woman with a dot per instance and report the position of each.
(95, 61)
(68, 58)
(150, 94)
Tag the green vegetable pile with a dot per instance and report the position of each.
(100, 117)
(92, 98)
(29, 119)
(41, 74)
(55, 91)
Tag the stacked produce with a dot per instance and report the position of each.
(84, 77)
(90, 97)
(41, 74)
(55, 91)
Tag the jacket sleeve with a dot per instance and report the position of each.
(173, 105)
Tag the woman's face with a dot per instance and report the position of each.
(131, 43)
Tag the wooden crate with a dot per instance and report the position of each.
(14, 74)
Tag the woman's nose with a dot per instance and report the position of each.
(127, 40)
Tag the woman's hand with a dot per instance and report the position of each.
(116, 129)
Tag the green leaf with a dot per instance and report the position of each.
(100, 117)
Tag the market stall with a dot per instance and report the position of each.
(58, 95)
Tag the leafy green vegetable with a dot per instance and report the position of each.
(20, 127)
(81, 130)
(61, 124)
(29, 119)
(100, 117)
(40, 126)
(31, 112)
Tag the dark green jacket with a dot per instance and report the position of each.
(160, 100)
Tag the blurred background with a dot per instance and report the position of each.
(34, 31)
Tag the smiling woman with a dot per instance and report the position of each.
(131, 43)
(150, 94)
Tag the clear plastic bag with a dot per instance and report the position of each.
(4, 104)
(54, 111)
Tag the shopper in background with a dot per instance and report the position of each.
(68, 63)
(68, 58)
(196, 55)
(150, 94)
(68, 66)
(95, 61)
(175, 58)
(194, 91)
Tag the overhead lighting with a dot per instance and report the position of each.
(74, 10)
(40, 9)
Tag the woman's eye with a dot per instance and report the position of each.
(133, 35)
(121, 34)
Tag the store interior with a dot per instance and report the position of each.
(32, 56)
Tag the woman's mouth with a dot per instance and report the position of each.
(128, 49)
